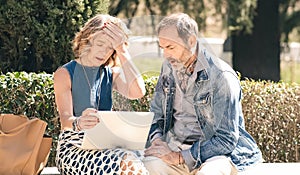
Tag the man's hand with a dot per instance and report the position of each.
(161, 150)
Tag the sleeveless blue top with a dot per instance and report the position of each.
(99, 96)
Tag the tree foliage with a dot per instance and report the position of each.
(237, 15)
(289, 17)
(240, 16)
(35, 35)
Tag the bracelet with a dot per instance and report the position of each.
(75, 125)
(179, 162)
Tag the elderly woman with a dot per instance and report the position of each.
(84, 86)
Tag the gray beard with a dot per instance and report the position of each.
(177, 65)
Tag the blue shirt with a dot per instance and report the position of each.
(99, 95)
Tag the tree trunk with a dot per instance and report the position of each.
(257, 55)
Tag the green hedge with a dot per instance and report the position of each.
(31, 94)
(271, 110)
(272, 116)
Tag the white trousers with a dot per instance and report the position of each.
(219, 165)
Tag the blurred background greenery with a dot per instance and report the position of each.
(290, 72)
(35, 35)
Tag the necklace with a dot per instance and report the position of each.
(89, 84)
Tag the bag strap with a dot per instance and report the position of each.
(17, 129)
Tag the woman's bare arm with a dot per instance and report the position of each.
(128, 80)
(63, 97)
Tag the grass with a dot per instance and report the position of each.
(290, 71)
(149, 66)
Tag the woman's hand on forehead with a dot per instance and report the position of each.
(114, 34)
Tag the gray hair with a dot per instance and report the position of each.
(186, 26)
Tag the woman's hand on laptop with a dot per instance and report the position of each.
(88, 119)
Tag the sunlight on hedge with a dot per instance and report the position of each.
(271, 110)
(272, 116)
(32, 95)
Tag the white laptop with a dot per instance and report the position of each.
(119, 129)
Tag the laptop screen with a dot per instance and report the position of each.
(119, 129)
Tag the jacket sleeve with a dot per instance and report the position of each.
(224, 114)
(156, 106)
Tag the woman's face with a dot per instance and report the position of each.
(100, 50)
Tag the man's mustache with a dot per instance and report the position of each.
(170, 59)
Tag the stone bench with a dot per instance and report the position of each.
(260, 169)
(274, 169)
(50, 171)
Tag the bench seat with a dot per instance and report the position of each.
(273, 169)
(260, 169)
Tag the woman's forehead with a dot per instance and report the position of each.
(100, 37)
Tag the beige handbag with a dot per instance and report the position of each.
(23, 148)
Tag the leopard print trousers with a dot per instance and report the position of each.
(72, 160)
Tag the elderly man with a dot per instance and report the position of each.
(198, 126)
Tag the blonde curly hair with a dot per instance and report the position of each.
(82, 41)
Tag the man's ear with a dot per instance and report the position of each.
(192, 41)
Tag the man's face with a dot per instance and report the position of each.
(175, 50)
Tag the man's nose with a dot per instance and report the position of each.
(166, 54)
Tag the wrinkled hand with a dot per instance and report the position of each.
(161, 150)
(87, 120)
(115, 35)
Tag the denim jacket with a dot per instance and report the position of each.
(217, 103)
